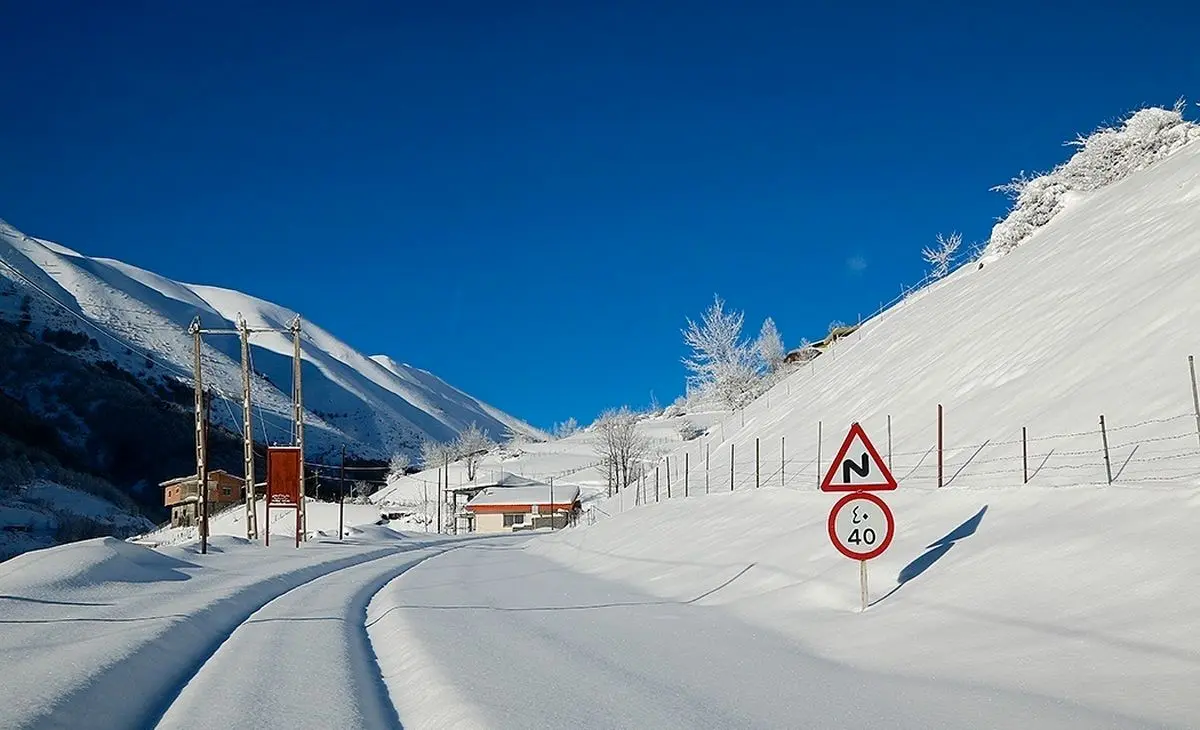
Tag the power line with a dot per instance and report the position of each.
(93, 325)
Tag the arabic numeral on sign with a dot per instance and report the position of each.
(863, 537)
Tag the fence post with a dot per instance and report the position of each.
(889, 439)
(757, 471)
(1195, 395)
(731, 467)
(939, 445)
(656, 485)
(668, 477)
(782, 459)
(1104, 438)
(818, 454)
(707, 452)
(685, 473)
(1025, 454)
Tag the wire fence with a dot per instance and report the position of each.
(1161, 452)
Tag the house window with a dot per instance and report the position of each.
(227, 491)
(510, 520)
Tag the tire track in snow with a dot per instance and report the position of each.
(138, 688)
(302, 660)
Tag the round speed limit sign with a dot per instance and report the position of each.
(861, 526)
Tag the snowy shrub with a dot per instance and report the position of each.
(689, 431)
(941, 257)
(1104, 157)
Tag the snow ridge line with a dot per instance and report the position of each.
(161, 669)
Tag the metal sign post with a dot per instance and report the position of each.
(861, 527)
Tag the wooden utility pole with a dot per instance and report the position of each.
(197, 376)
(204, 526)
(298, 420)
(342, 498)
(247, 434)
(439, 502)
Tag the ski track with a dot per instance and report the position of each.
(163, 667)
(302, 660)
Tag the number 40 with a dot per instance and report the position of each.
(866, 536)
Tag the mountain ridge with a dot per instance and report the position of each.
(374, 408)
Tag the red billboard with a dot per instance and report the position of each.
(283, 476)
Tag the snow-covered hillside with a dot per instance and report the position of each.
(1093, 314)
(139, 320)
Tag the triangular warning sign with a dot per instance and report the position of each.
(858, 467)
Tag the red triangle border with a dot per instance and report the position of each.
(889, 482)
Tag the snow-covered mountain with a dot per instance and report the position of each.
(374, 405)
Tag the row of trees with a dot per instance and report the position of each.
(470, 447)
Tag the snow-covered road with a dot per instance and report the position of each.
(489, 636)
(302, 660)
(389, 631)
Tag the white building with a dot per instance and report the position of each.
(508, 509)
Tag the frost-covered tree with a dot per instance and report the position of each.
(1103, 157)
(567, 428)
(620, 446)
(769, 346)
(941, 257)
(435, 454)
(398, 465)
(721, 364)
(471, 446)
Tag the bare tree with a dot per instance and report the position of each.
(621, 447)
(471, 446)
(941, 257)
(769, 346)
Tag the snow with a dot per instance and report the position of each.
(85, 622)
(321, 520)
(492, 636)
(1064, 602)
(350, 399)
(30, 517)
(1085, 594)
(1064, 595)
(565, 494)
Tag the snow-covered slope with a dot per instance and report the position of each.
(140, 319)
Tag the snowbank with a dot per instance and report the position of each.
(1089, 595)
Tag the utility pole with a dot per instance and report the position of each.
(204, 529)
(194, 330)
(247, 434)
(551, 503)
(439, 503)
(298, 420)
(342, 498)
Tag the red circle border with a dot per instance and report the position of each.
(887, 512)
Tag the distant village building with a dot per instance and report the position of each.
(182, 495)
(499, 508)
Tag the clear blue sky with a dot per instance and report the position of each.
(529, 198)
